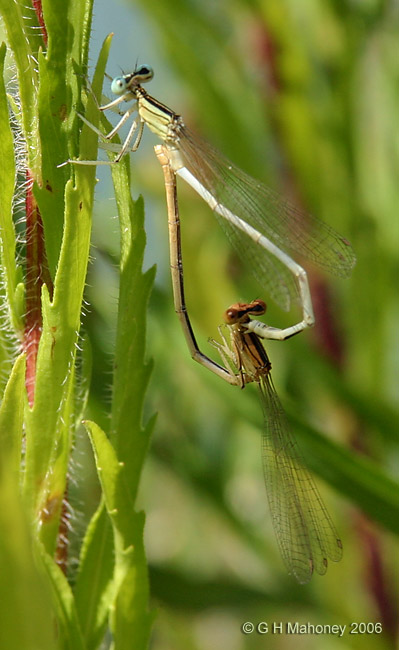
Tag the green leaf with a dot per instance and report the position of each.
(18, 39)
(186, 593)
(11, 419)
(94, 590)
(59, 95)
(27, 609)
(354, 476)
(132, 372)
(67, 618)
(84, 365)
(7, 181)
(131, 621)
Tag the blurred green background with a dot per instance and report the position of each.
(304, 96)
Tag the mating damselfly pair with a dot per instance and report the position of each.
(264, 229)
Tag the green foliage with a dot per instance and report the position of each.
(110, 588)
(131, 621)
(27, 609)
(94, 589)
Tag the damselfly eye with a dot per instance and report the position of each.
(144, 73)
(231, 315)
(257, 307)
(118, 86)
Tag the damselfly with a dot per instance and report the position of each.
(306, 535)
(305, 532)
(263, 227)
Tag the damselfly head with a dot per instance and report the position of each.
(127, 82)
(241, 311)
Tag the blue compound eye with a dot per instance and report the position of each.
(144, 73)
(118, 86)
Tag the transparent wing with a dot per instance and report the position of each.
(305, 532)
(286, 226)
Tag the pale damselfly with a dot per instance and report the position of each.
(263, 227)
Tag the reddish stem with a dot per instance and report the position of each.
(36, 275)
(266, 55)
(375, 576)
(61, 553)
(326, 333)
(37, 5)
